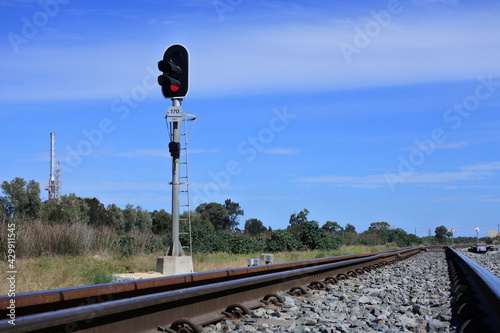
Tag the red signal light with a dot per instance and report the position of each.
(174, 67)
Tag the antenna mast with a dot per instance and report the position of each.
(54, 183)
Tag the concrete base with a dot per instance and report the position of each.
(174, 265)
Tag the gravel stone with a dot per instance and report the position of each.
(408, 296)
(489, 260)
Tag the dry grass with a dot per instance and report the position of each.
(35, 238)
(51, 272)
(44, 273)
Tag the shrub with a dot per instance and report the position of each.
(243, 244)
(282, 240)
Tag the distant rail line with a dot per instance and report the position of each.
(184, 303)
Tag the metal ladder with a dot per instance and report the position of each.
(184, 199)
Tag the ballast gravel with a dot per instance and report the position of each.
(412, 295)
(489, 260)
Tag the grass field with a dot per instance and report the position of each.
(44, 273)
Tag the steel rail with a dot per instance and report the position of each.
(42, 301)
(186, 309)
(476, 294)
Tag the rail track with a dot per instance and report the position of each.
(185, 303)
(476, 294)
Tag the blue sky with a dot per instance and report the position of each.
(359, 111)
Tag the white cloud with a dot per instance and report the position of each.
(201, 151)
(466, 173)
(39, 157)
(308, 57)
(281, 151)
(453, 145)
(283, 55)
(446, 145)
(483, 166)
(146, 152)
(122, 186)
(424, 2)
(489, 198)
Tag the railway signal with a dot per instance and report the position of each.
(174, 85)
(175, 68)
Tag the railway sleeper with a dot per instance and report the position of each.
(317, 285)
(331, 280)
(182, 326)
(274, 299)
(236, 311)
(297, 291)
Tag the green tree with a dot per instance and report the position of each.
(66, 209)
(414, 240)
(129, 214)
(441, 233)
(380, 233)
(197, 219)
(233, 212)
(400, 237)
(282, 240)
(5, 209)
(349, 228)
(162, 221)
(298, 219)
(370, 238)
(332, 227)
(329, 241)
(143, 220)
(311, 235)
(22, 198)
(96, 211)
(254, 227)
(115, 218)
(379, 226)
(208, 240)
(241, 243)
(74, 209)
(349, 234)
(215, 213)
(51, 211)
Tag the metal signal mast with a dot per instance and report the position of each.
(174, 82)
